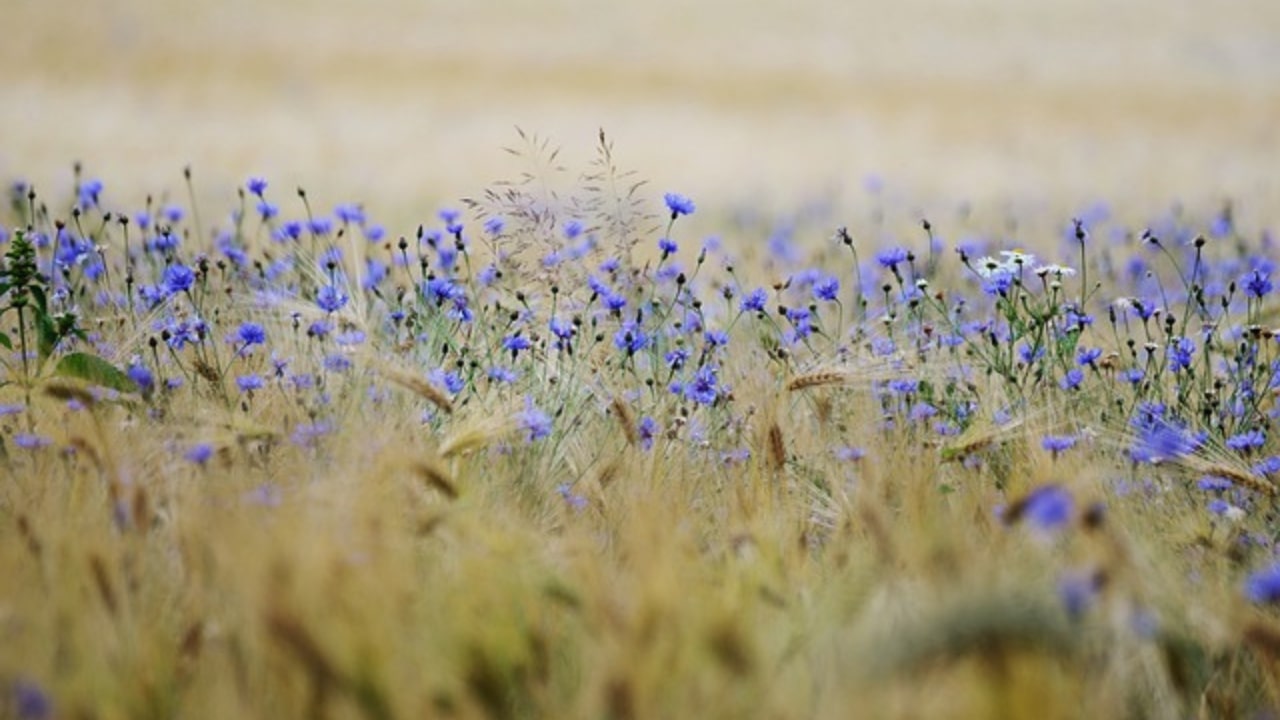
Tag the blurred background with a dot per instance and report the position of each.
(406, 104)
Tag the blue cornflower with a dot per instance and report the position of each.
(89, 192)
(827, 289)
(574, 500)
(1263, 587)
(1058, 443)
(1247, 441)
(1214, 483)
(249, 383)
(716, 338)
(31, 441)
(178, 278)
(251, 333)
(850, 453)
(1047, 508)
(1077, 591)
(349, 214)
(678, 205)
(1218, 506)
(1072, 379)
(441, 290)
(667, 246)
(267, 211)
(515, 343)
(754, 301)
(1180, 352)
(1088, 356)
(450, 380)
(1028, 354)
(503, 375)
(630, 338)
(533, 421)
(647, 428)
(331, 299)
(703, 389)
(890, 258)
(572, 229)
(320, 226)
(1257, 285)
(200, 453)
(141, 376)
(1161, 441)
(172, 214)
(257, 186)
(903, 386)
(30, 702)
(494, 225)
(677, 358)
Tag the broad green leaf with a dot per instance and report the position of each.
(94, 369)
(5, 341)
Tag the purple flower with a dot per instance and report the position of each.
(827, 289)
(1263, 587)
(1058, 443)
(200, 453)
(1214, 483)
(1161, 441)
(754, 301)
(647, 429)
(1257, 284)
(890, 258)
(30, 702)
(349, 214)
(515, 343)
(1180, 353)
(1072, 379)
(1047, 508)
(178, 278)
(678, 205)
(1077, 591)
(574, 500)
(251, 333)
(331, 299)
(1247, 442)
(667, 246)
(31, 441)
(494, 225)
(257, 186)
(630, 338)
(1088, 356)
(249, 383)
(703, 388)
(533, 421)
(849, 453)
(141, 376)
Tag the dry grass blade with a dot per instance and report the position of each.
(417, 385)
(626, 420)
(436, 477)
(817, 379)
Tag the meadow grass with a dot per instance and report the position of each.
(546, 456)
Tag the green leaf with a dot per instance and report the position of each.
(94, 369)
(47, 335)
(6, 342)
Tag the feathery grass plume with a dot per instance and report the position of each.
(102, 581)
(1232, 470)
(777, 447)
(818, 378)
(67, 391)
(419, 386)
(29, 536)
(626, 419)
(435, 477)
(475, 433)
(982, 626)
(289, 632)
